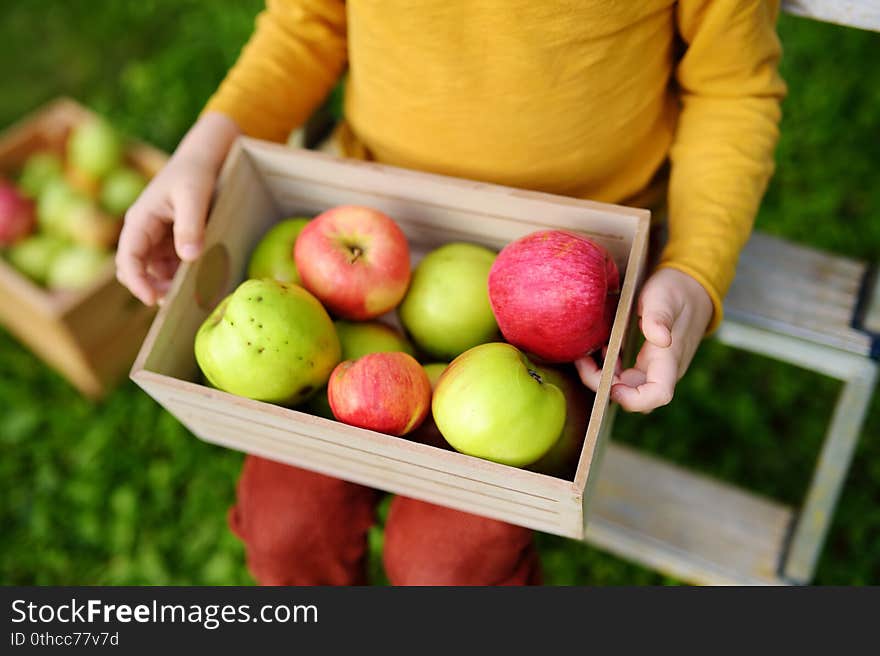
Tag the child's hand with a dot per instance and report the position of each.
(166, 223)
(675, 311)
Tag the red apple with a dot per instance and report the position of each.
(355, 260)
(385, 392)
(16, 215)
(562, 458)
(554, 294)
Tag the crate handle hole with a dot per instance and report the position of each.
(212, 277)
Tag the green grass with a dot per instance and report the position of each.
(120, 493)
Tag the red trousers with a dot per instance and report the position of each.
(303, 528)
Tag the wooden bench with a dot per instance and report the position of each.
(795, 304)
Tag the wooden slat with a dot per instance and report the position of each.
(799, 291)
(686, 525)
(864, 14)
(841, 438)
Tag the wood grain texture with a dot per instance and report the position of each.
(90, 336)
(684, 524)
(864, 14)
(263, 183)
(799, 291)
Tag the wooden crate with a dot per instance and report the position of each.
(90, 336)
(262, 183)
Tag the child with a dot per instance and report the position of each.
(622, 102)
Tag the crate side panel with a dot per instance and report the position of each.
(439, 209)
(242, 211)
(373, 470)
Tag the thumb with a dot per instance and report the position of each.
(656, 321)
(190, 208)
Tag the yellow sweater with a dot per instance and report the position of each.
(585, 98)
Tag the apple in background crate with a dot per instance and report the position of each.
(16, 215)
(94, 149)
(76, 267)
(446, 310)
(355, 260)
(39, 169)
(492, 403)
(34, 255)
(269, 341)
(121, 189)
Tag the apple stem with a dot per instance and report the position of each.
(356, 252)
(534, 374)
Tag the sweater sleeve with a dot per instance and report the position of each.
(285, 70)
(722, 153)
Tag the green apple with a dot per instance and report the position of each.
(76, 267)
(562, 458)
(53, 205)
(359, 339)
(492, 403)
(273, 256)
(270, 341)
(39, 169)
(446, 310)
(434, 371)
(121, 189)
(364, 337)
(33, 256)
(94, 148)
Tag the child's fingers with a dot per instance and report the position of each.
(190, 207)
(131, 252)
(141, 233)
(656, 325)
(589, 372)
(657, 316)
(643, 391)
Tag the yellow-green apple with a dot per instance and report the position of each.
(446, 310)
(561, 460)
(270, 341)
(76, 267)
(120, 189)
(56, 197)
(359, 339)
(385, 392)
(85, 184)
(491, 402)
(33, 256)
(273, 256)
(38, 170)
(16, 214)
(94, 149)
(428, 433)
(85, 223)
(554, 294)
(355, 260)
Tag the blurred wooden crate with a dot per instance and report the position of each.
(263, 183)
(90, 336)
